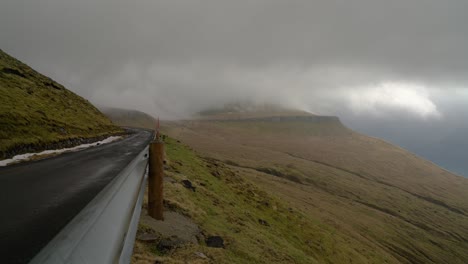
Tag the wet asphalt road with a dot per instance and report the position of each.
(37, 199)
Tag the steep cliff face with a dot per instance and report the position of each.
(37, 113)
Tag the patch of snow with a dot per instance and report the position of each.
(26, 156)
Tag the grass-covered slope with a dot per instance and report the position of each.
(257, 227)
(376, 203)
(129, 118)
(38, 113)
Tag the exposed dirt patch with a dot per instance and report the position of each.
(174, 224)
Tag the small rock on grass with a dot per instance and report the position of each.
(188, 184)
(263, 222)
(215, 242)
(200, 255)
(167, 244)
(148, 237)
(216, 174)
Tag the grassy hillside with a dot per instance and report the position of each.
(38, 113)
(360, 199)
(257, 227)
(129, 118)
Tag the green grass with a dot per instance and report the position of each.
(227, 204)
(36, 112)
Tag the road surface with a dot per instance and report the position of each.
(37, 199)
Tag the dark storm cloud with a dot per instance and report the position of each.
(175, 57)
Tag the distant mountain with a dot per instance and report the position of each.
(362, 200)
(129, 118)
(244, 110)
(37, 113)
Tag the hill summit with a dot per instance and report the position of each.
(37, 113)
(270, 119)
(245, 110)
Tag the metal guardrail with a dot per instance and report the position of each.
(104, 231)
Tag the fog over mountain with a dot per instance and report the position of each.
(391, 69)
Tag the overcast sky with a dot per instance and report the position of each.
(395, 69)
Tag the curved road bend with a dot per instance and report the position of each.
(37, 199)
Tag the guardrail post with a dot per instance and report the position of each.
(155, 179)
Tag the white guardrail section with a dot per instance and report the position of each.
(104, 231)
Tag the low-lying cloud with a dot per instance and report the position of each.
(174, 57)
(395, 69)
(179, 90)
(389, 97)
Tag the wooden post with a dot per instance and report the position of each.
(155, 179)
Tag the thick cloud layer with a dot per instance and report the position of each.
(370, 61)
